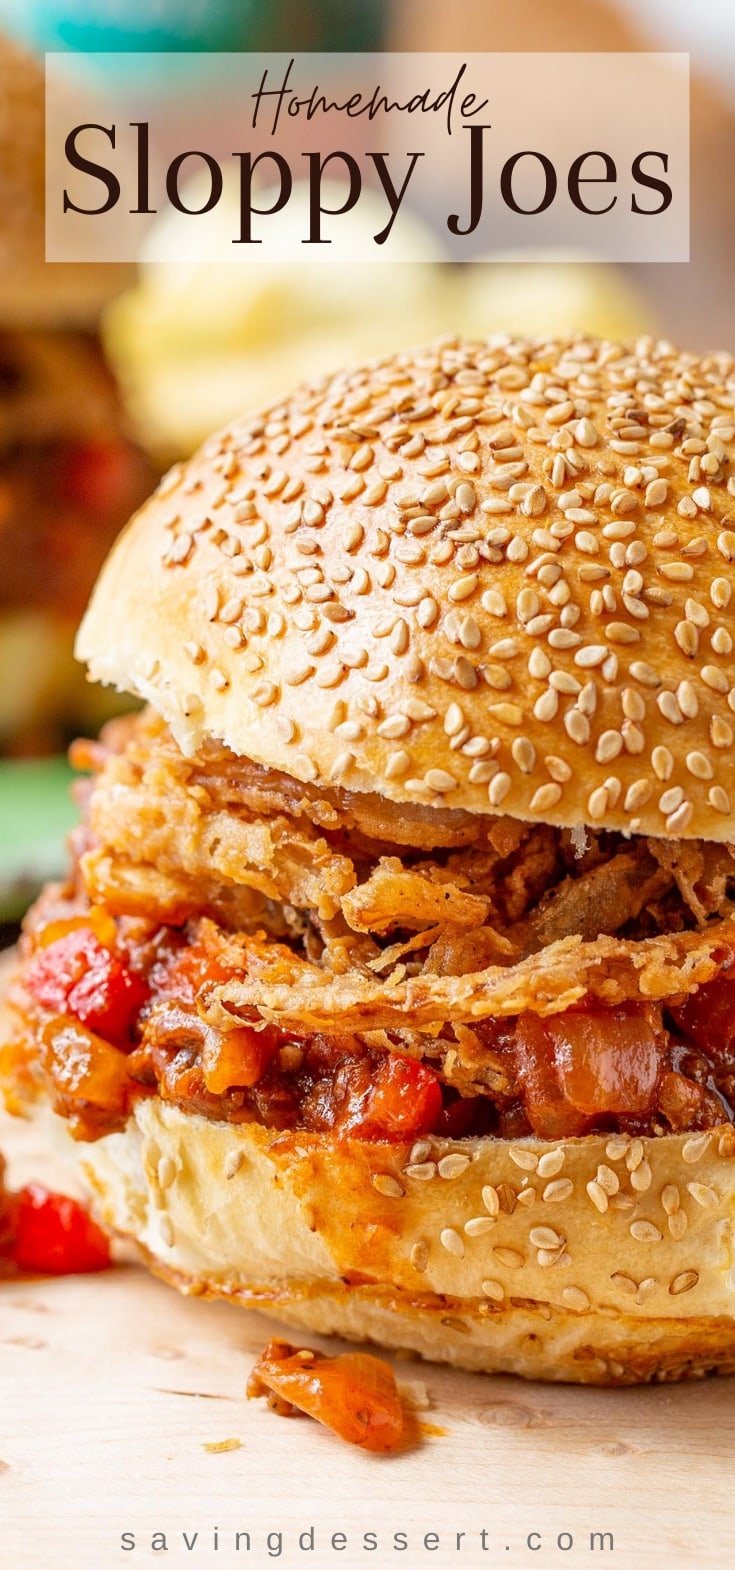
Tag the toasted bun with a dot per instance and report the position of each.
(599, 1260)
(493, 575)
(34, 292)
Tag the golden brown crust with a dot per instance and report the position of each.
(493, 576)
(599, 1260)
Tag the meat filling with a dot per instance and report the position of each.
(251, 948)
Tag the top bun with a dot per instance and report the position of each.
(34, 292)
(490, 575)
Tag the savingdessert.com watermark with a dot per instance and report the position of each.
(319, 1546)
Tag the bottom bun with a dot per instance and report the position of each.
(601, 1260)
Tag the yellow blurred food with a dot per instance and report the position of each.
(197, 342)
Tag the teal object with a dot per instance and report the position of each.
(137, 26)
(36, 814)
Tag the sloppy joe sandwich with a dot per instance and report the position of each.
(391, 989)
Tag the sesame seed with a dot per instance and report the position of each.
(477, 1226)
(465, 496)
(558, 1190)
(720, 593)
(546, 1258)
(498, 789)
(641, 1178)
(683, 1282)
(591, 655)
(453, 1165)
(421, 1171)
(166, 1172)
(387, 1185)
(703, 1195)
(490, 1199)
(551, 1162)
(526, 1159)
(598, 1196)
(440, 780)
(494, 603)
(624, 1283)
(670, 1198)
(634, 1154)
(166, 1229)
(695, 1148)
(714, 678)
(510, 1257)
(608, 1180)
(645, 674)
(545, 798)
(699, 765)
(544, 1237)
(645, 1232)
(597, 805)
(576, 1298)
(463, 587)
(677, 571)
(577, 727)
(452, 1242)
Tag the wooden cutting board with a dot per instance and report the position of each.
(112, 1388)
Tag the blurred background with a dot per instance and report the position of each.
(107, 374)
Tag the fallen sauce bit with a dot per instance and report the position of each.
(354, 1394)
(48, 1234)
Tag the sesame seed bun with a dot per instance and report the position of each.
(489, 575)
(34, 292)
(602, 1260)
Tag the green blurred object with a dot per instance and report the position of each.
(36, 814)
(195, 25)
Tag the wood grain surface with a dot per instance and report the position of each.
(112, 1387)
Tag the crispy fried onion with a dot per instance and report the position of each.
(701, 872)
(194, 832)
(350, 876)
(393, 896)
(296, 995)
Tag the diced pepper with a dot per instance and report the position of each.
(55, 1235)
(355, 1395)
(405, 1100)
(77, 974)
(578, 1066)
(549, 1112)
(236, 1057)
(86, 1068)
(607, 1062)
(96, 919)
(708, 1017)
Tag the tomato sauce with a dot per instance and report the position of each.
(115, 1018)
